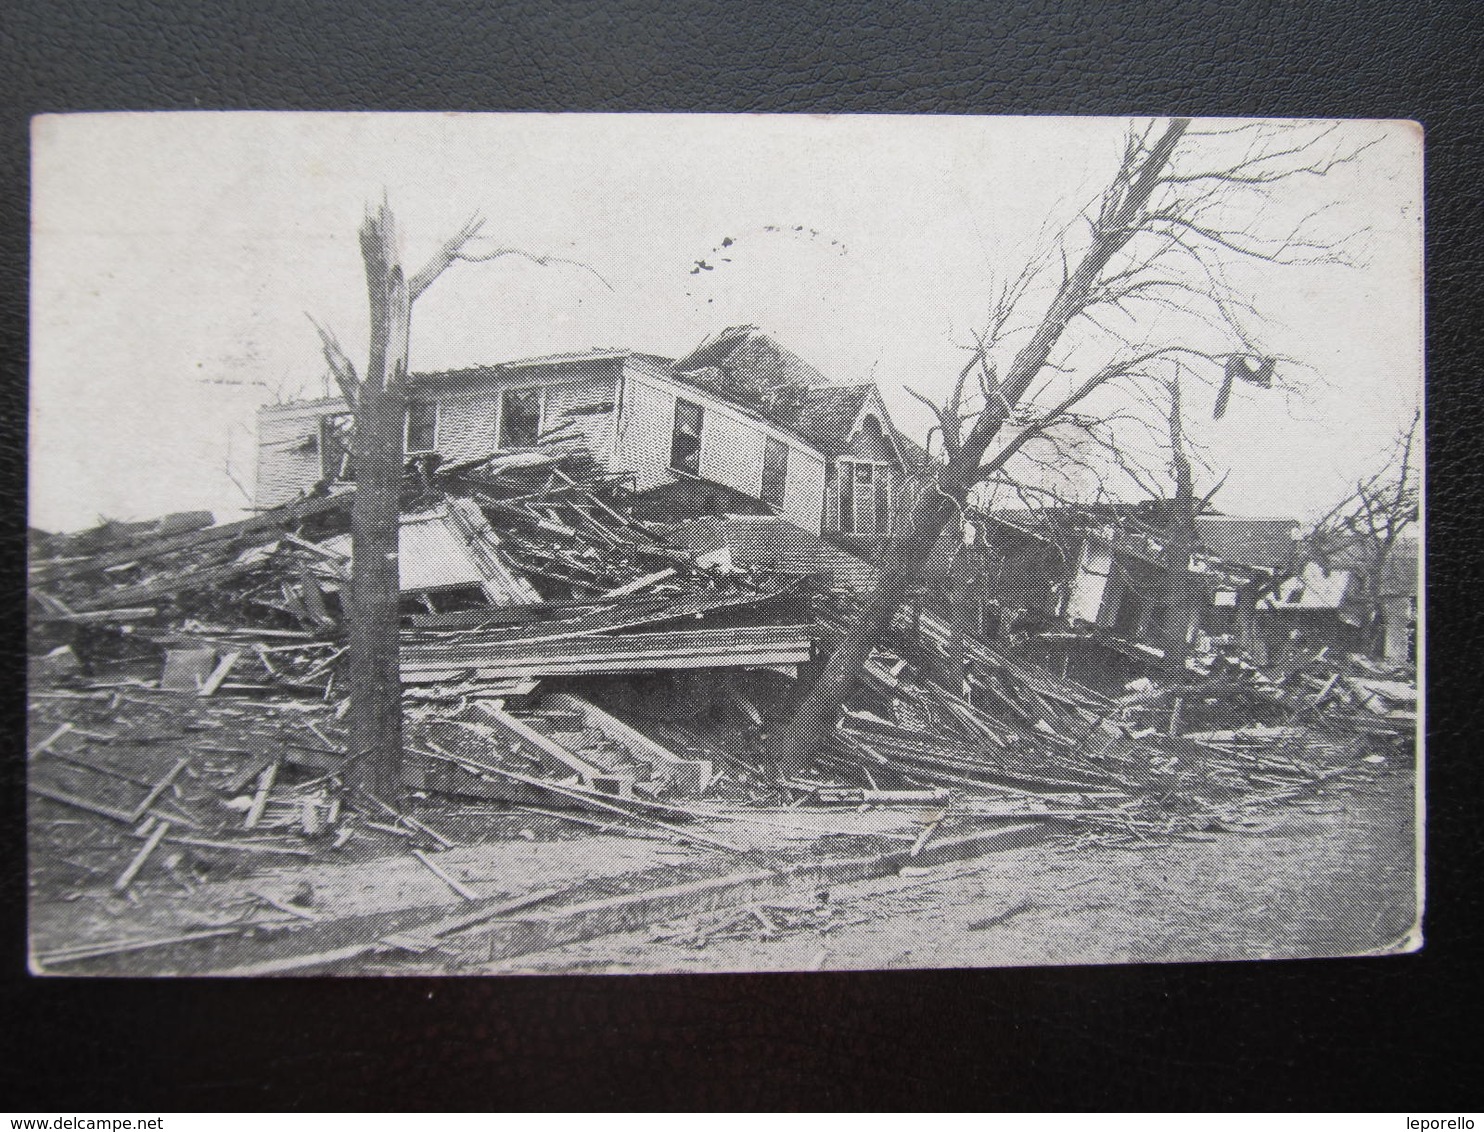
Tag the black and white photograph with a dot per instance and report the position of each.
(605, 544)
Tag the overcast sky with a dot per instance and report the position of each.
(175, 257)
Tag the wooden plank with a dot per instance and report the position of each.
(260, 799)
(121, 947)
(586, 797)
(46, 743)
(169, 585)
(284, 906)
(161, 786)
(462, 889)
(84, 804)
(640, 583)
(649, 612)
(239, 846)
(126, 878)
(214, 681)
(104, 616)
(441, 673)
(337, 942)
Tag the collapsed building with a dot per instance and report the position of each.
(617, 573)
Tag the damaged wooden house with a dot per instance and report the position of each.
(1080, 578)
(740, 435)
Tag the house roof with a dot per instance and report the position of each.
(741, 365)
(1265, 543)
(745, 365)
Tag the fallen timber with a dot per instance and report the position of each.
(751, 647)
(260, 529)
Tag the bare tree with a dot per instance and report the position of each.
(378, 404)
(1141, 278)
(1365, 527)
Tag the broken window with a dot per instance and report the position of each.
(520, 418)
(685, 442)
(775, 472)
(420, 432)
(334, 448)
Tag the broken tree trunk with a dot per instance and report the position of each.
(1181, 589)
(375, 682)
(948, 485)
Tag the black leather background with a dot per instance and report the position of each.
(1366, 1034)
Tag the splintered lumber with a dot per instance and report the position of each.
(644, 611)
(126, 878)
(751, 647)
(427, 936)
(292, 963)
(214, 681)
(161, 786)
(458, 886)
(46, 743)
(265, 525)
(260, 799)
(85, 804)
(104, 616)
(239, 846)
(411, 822)
(284, 905)
(168, 585)
(639, 583)
(585, 797)
(120, 947)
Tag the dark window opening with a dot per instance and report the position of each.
(883, 502)
(334, 448)
(685, 443)
(421, 431)
(775, 472)
(520, 418)
(847, 499)
(865, 498)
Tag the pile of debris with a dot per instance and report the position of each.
(511, 570)
(570, 672)
(1024, 741)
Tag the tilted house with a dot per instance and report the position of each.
(740, 421)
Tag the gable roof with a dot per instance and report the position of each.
(744, 365)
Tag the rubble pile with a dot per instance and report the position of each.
(568, 672)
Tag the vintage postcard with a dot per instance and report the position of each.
(516, 544)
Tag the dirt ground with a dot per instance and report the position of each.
(1335, 878)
